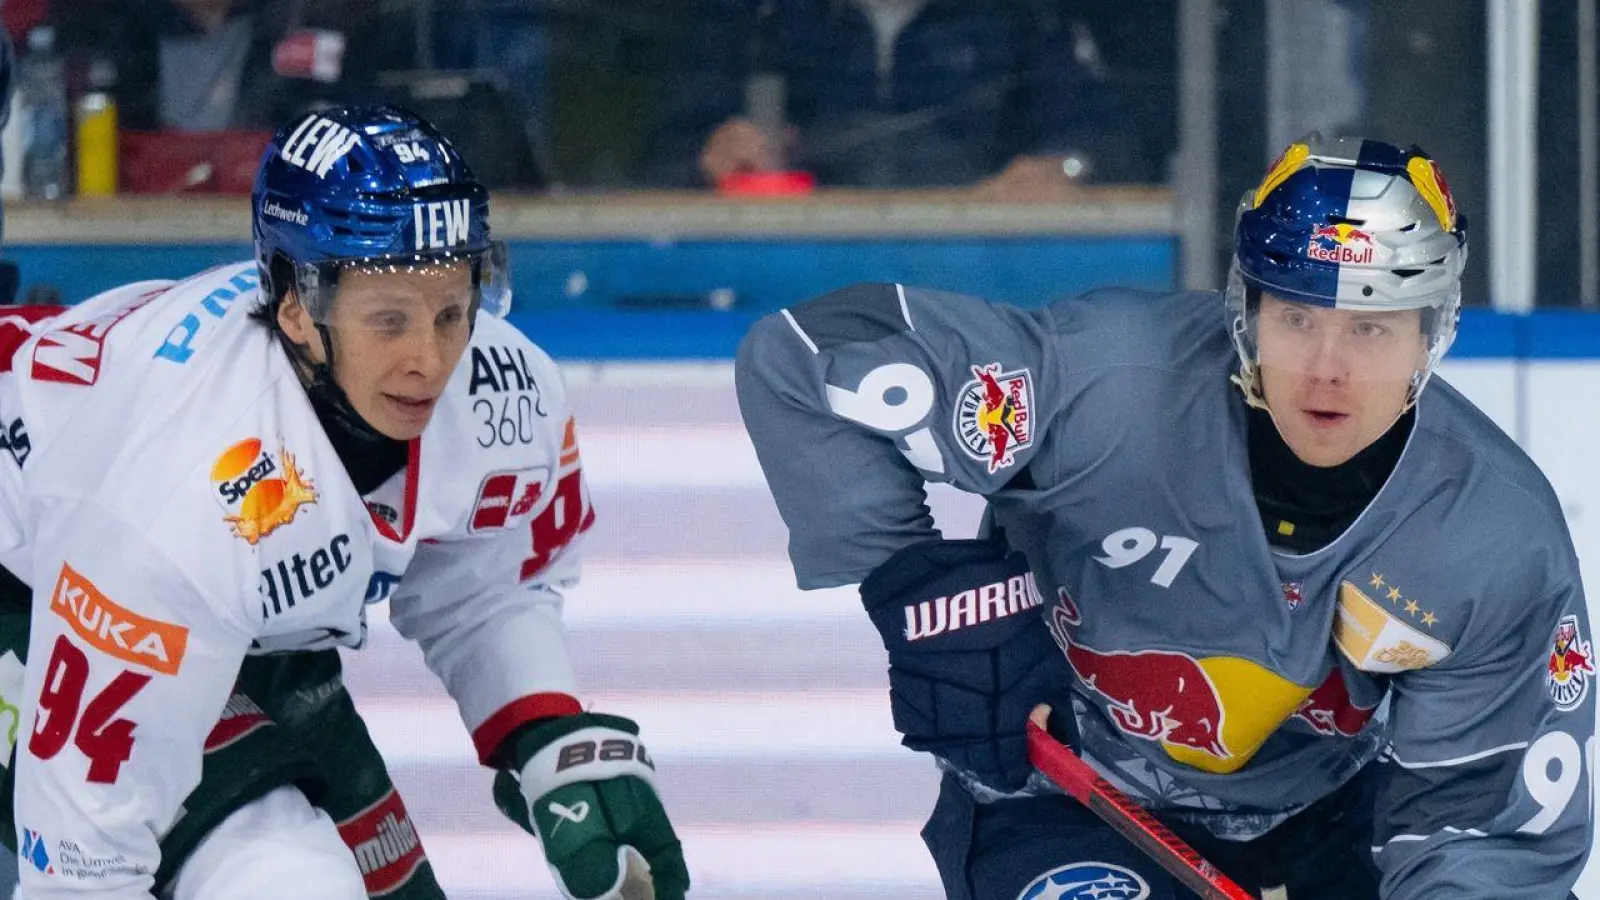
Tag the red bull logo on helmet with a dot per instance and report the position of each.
(1570, 666)
(1342, 243)
(994, 415)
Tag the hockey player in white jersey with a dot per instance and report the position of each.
(232, 467)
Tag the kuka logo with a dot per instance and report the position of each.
(114, 630)
(259, 491)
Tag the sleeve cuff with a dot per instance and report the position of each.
(495, 729)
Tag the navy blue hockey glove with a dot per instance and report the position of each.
(583, 784)
(968, 653)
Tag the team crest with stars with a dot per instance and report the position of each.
(1087, 881)
(994, 415)
(1571, 665)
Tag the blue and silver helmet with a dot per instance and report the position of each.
(1349, 224)
(369, 186)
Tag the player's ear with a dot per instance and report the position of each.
(295, 321)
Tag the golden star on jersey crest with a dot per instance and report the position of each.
(1376, 581)
(1429, 618)
(1411, 607)
(1394, 594)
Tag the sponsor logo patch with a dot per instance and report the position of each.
(32, 852)
(240, 717)
(1341, 243)
(1087, 881)
(260, 491)
(74, 354)
(1570, 667)
(1294, 593)
(114, 630)
(505, 499)
(994, 415)
(385, 844)
(944, 614)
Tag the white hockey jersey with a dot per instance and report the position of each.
(182, 508)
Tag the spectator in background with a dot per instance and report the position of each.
(186, 65)
(1012, 97)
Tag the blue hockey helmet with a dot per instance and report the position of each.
(1353, 224)
(369, 186)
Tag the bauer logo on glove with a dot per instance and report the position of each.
(585, 786)
(613, 750)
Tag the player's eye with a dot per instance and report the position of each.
(388, 321)
(1370, 329)
(450, 317)
(1296, 318)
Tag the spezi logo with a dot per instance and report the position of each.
(260, 492)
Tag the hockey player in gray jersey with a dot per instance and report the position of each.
(1319, 614)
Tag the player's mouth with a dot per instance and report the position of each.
(1326, 418)
(411, 409)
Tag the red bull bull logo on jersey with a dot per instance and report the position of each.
(994, 415)
(1330, 711)
(1209, 712)
(1570, 666)
(260, 491)
(1342, 243)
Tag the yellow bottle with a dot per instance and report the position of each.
(97, 135)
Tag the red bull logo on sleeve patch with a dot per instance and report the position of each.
(1570, 667)
(1342, 243)
(994, 415)
(260, 491)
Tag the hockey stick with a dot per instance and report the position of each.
(1131, 820)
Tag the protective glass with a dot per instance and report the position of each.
(396, 293)
(1347, 345)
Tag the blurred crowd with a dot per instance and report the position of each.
(1017, 98)
(1007, 99)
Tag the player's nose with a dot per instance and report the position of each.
(1328, 359)
(426, 354)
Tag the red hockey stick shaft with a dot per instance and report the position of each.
(1133, 821)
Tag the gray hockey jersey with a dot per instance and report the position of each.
(1215, 677)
